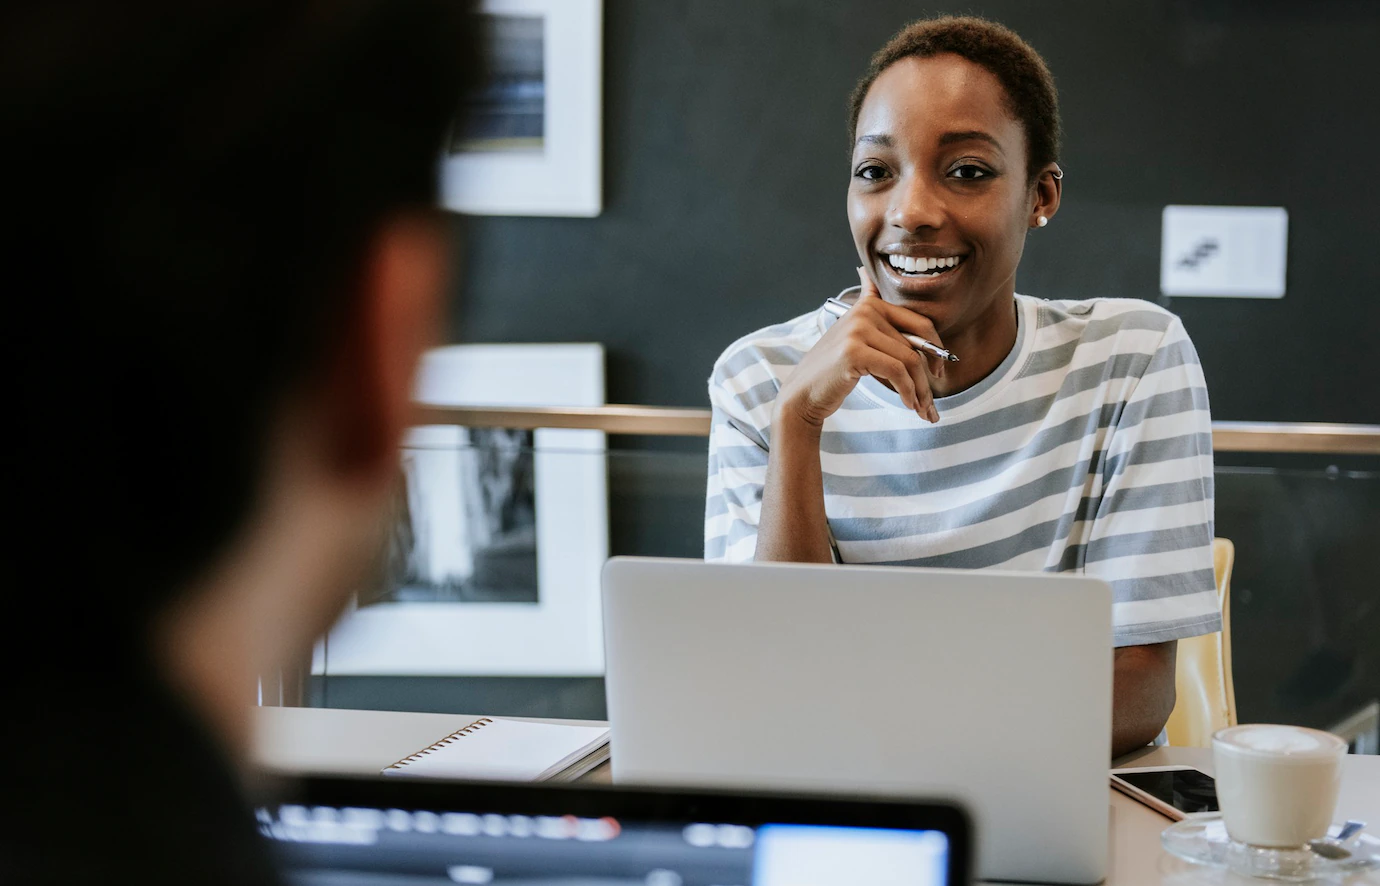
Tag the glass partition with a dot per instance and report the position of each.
(486, 599)
(1305, 592)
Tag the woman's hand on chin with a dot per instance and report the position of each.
(867, 340)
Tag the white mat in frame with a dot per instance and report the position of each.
(564, 177)
(562, 634)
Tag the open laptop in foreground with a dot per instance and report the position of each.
(386, 832)
(994, 688)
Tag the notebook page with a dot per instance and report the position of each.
(495, 748)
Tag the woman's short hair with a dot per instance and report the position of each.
(1030, 93)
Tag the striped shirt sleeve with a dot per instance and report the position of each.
(737, 468)
(1153, 525)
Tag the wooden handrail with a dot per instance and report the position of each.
(674, 421)
(662, 421)
(1253, 436)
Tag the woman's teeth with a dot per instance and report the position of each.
(928, 266)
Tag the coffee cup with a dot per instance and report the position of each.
(1276, 785)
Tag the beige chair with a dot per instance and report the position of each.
(1206, 697)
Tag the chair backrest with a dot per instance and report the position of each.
(1206, 696)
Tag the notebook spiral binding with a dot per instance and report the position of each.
(449, 739)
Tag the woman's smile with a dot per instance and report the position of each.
(919, 272)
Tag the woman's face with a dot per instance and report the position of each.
(939, 202)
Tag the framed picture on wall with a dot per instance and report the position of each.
(498, 543)
(528, 141)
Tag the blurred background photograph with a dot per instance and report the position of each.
(497, 533)
(466, 528)
(508, 112)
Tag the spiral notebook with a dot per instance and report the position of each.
(509, 750)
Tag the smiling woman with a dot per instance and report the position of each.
(1070, 436)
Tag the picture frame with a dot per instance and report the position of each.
(530, 141)
(561, 633)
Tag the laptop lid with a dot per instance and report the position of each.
(358, 832)
(991, 687)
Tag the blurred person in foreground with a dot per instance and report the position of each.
(221, 248)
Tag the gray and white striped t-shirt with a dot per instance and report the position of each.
(1088, 450)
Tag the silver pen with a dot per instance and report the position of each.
(838, 307)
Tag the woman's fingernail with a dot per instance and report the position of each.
(934, 415)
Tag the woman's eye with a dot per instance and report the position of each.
(871, 172)
(970, 172)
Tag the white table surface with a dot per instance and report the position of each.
(331, 741)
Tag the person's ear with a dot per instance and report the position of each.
(397, 316)
(1045, 192)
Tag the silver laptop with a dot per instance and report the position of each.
(988, 687)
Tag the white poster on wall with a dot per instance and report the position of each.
(1224, 251)
(495, 559)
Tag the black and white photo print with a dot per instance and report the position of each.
(468, 530)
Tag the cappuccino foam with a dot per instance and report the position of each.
(1285, 741)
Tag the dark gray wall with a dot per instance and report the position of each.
(725, 163)
(725, 166)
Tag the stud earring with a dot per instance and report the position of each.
(1041, 221)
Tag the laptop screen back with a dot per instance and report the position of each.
(899, 680)
(667, 839)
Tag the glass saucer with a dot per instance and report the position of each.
(1202, 839)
